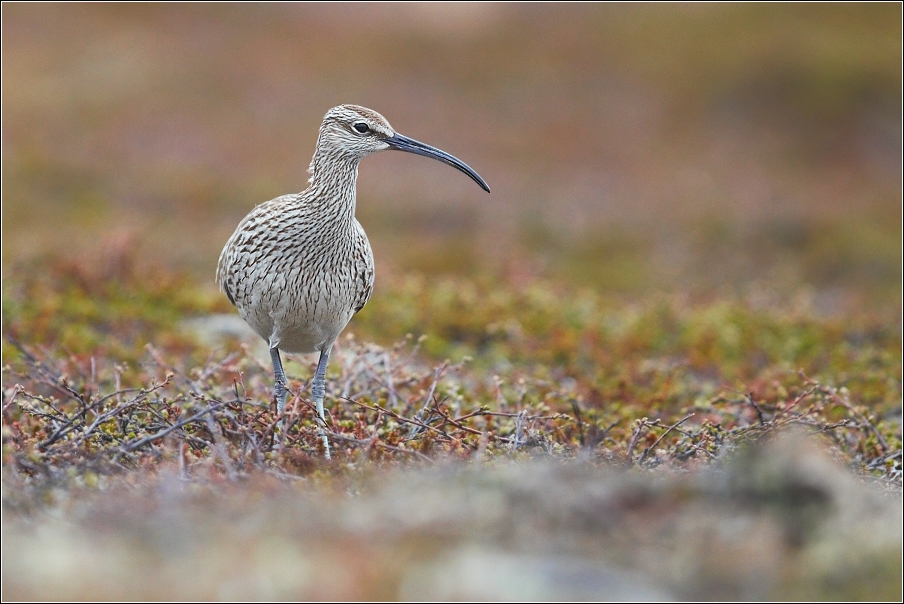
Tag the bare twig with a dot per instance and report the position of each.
(140, 442)
(437, 373)
(652, 447)
(635, 436)
(403, 419)
(577, 415)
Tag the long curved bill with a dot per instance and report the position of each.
(403, 143)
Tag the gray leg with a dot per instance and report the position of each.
(317, 389)
(279, 384)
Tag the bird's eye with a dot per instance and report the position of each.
(362, 127)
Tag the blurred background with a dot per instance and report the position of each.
(630, 148)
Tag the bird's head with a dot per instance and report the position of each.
(355, 131)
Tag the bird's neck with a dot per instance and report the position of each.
(332, 183)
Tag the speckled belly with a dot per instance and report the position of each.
(300, 319)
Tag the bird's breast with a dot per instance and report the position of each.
(298, 287)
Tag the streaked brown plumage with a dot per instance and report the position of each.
(298, 267)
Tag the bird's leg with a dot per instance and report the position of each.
(279, 383)
(317, 389)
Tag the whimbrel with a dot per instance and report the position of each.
(298, 267)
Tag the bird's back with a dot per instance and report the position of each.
(297, 272)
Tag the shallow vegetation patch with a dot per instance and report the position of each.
(553, 372)
(62, 416)
(578, 443)
(440, 470)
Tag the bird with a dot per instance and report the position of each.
(299, 266)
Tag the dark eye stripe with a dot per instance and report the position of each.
(362, 128)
